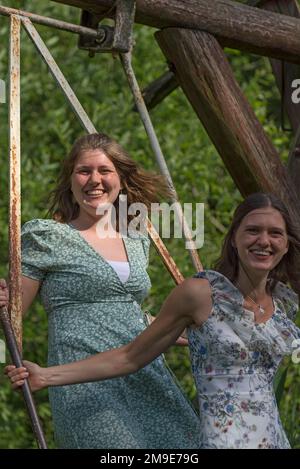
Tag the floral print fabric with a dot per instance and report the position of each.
(234, 361)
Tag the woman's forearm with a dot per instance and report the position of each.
(101, 366)
(175, 315)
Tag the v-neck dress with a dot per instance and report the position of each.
(234, 361)
(90, 310)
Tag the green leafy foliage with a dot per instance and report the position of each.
(49, 127)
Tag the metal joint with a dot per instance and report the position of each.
(110, 39)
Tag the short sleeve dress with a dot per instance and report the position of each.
(234, 361)
(90, 310)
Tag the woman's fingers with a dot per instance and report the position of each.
(17, 384)
(4, 295)
(3, 283)
(16, 372)
(182, 341)
(17, 376)
(9, 368)
(29, 371)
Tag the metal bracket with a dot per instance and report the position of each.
(117, 39)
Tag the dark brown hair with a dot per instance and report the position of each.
(138, 184)
(288, 269)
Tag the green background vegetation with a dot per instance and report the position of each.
(49, 128)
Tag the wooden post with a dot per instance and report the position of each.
(285, 73)
(291, 71)
(206, 78)
(234, 24)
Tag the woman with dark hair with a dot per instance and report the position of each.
(288, 269)
(92, 279)
(240, 325)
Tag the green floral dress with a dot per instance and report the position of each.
(90, 310)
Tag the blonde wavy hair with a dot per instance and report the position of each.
(139, 185)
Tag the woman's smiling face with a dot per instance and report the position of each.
(94, 181)
(261, 239)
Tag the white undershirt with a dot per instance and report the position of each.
(121, 268)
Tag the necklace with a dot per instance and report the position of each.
(260, 308)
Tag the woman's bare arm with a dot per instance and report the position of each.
(189, 303)
(30, 288)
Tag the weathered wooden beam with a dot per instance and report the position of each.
(285, 73)
(294, 162)
(234, 24)
(291, 71)
(206, 78)
(156, 91)
(159, 89)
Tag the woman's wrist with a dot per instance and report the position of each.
(49, 377)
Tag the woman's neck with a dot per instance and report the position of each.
(87, 222)
(253, 286)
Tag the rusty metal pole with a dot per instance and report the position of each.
(27, 395)
(15, 182)
(58, 75)
(53, 23)
(13, 326)
(160, 159)
(163, 252)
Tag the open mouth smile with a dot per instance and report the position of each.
(94, 192)
(261, 253)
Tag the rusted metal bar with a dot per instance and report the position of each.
(53, 23)
(17, 361)
(139, 102)
(58, 75)
(163, 252)
(15, 181)
(13, 328)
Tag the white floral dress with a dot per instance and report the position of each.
(234, 361)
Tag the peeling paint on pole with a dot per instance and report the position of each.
(15, 181)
